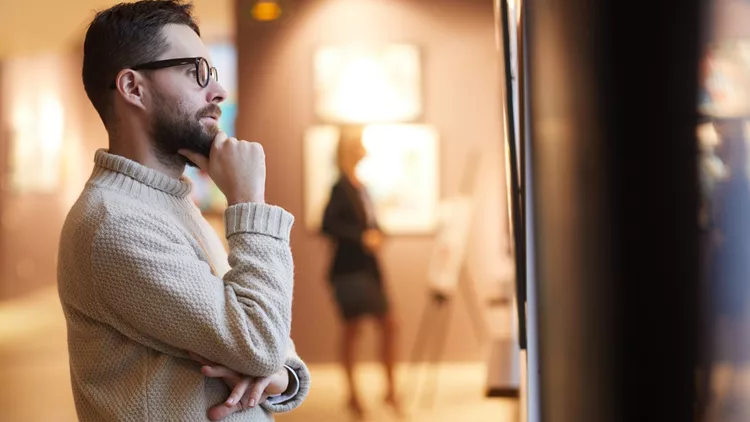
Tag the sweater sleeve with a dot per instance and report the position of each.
(151, 282)
(294, 363)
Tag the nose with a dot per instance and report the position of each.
(215, 92)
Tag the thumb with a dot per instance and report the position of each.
(220, 411)
(198, 159)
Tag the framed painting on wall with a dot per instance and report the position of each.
(400, 172)
(33, 96)
(368, 83)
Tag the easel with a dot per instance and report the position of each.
(433, 333)
(433, 328)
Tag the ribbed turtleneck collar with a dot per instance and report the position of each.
(126, 168)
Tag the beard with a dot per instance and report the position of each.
(174, 129)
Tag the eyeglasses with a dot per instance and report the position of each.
(203, 72)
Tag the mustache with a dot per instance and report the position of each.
(210, 110)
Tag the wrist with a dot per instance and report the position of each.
(240, 199)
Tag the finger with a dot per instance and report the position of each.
(219, 140)
(245, 400)
(257, 391)
(238, 391)
(221, 411)
(219, 371)
(199, 160)
(221, 136)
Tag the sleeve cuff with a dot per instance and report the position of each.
(264, 219)
(291, 390)
(302, 376)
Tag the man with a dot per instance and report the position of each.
(145, 284)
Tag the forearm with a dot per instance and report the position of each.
(262, 279)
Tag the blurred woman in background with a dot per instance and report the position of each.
(355, 275)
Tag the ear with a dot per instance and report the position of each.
(130, 86)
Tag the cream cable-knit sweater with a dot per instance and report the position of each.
(143, 279)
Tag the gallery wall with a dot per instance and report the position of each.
(461, 100)
(38, 189)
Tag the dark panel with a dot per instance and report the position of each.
(612, 90)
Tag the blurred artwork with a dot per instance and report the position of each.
(320, 172)
(224, 57)
(207, 197)
(725, 84)
(205, 194)
(368, 84)
(34, 94)
(400, 171)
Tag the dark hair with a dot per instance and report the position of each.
(126, 35)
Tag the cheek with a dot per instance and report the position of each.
(163, 102)
(177, 95)
(184, 109)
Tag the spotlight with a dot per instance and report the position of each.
(266, 10)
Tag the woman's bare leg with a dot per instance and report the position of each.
(352, 329)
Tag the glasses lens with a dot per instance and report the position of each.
(203, 72)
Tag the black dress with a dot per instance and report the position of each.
(354, 274)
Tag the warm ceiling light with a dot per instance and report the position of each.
(266, 10)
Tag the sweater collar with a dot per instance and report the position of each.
(125, 167)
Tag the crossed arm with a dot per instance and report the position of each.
(158, 291)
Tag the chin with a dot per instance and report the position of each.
(212, 130)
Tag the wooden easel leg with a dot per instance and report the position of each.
(430, 336)
(437, 356)
(416, 362)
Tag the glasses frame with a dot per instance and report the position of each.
(195, 61)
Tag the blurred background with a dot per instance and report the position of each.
(563, 187)
(425, 76)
